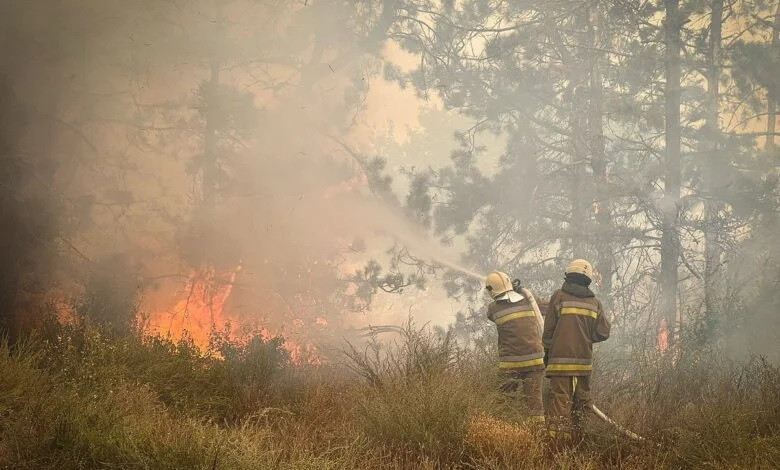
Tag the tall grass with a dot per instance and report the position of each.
(81, 397)
(416, 402)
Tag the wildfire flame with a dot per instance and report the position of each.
(200, 310)
(663, 336)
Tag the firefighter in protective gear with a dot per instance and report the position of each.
(575, 320)
(517, 319)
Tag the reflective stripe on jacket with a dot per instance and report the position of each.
(571, 326)
(519, 342)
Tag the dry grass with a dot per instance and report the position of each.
(81, 399)
(504, 444)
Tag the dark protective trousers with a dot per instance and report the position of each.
(532, 389)
(569, 401)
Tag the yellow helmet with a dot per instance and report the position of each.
(580, 266)
(497, 283)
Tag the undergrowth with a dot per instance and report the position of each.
(80, 397)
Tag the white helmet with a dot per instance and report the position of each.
(580, 266)
(497, 283)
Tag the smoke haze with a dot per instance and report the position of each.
(279, 148)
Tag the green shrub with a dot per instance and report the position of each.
(251, 364)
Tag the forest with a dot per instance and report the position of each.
(255, 233)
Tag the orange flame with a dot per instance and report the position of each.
(200, 311)
(663, 336)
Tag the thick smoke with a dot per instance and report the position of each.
(148, 145)
(206, 138)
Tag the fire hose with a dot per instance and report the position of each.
(535, 306)
(537, 313)
(602, 416)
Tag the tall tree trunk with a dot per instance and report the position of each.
(579, 194)
(210, 157)
(772, 91)
(602, 206)
(714, 165)
(670, 246)
(210, 170)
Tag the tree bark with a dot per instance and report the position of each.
(210, 157)
(714, 165)
(579, 192)
(602, 206)
(670, 246)
(210, 169)
(772, 91)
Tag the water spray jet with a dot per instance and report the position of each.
(458, 268)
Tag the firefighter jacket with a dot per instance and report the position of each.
(519, 342)
(575, 320)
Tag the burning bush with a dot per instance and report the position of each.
(226, 382)
(251, 364)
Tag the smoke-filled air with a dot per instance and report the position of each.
(389, 234)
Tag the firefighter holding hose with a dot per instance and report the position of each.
(575, 320)
(521, 355)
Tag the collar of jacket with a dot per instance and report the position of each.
(577, 290)
(510, 296)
